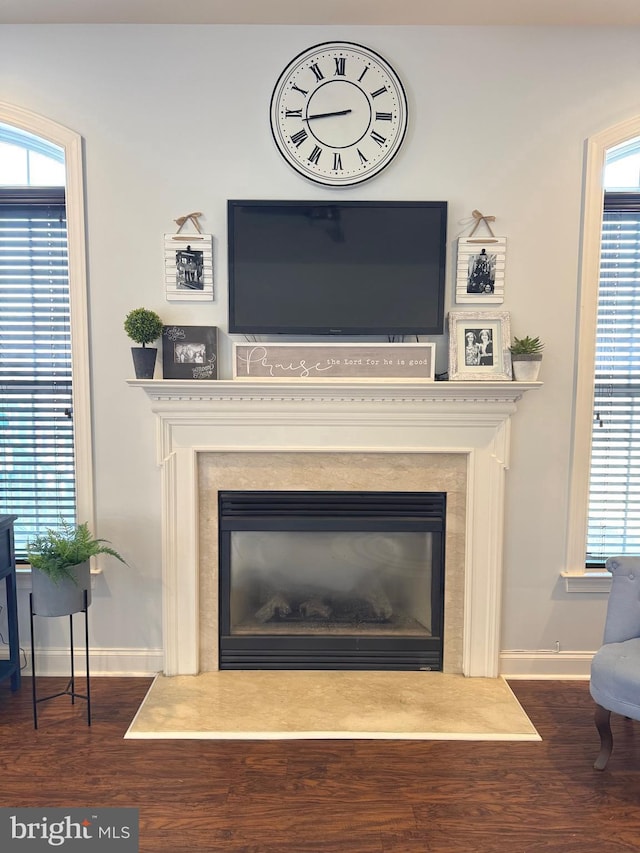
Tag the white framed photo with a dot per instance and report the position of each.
(480, 269)
(479, 345)
(188, 263)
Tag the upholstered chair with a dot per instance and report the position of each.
(615, 669)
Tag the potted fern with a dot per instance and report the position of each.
(143, 326)
(526, 358)
(60, 568)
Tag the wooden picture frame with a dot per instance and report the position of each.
(479, 345)
(188, 264)
(480, 270)
(189, 352)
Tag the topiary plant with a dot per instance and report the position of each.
(143, 326)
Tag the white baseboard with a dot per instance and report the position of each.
(131, 662)
(556, 665)
(148, 662)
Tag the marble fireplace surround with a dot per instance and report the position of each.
(431, 436)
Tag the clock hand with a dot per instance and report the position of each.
(325, 115)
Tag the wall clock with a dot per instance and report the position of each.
(338, 113)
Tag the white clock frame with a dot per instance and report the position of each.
(339, 113)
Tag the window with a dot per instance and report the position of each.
(37, 474)
(27, 160)
(614, 486)
(44, 152)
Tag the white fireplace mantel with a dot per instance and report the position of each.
(346, 389)
(472, 418)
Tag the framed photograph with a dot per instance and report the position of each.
(188, 263)
(479, 345)
(189, 352)
(480, 269)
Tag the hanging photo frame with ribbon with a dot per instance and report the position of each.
(188, 263)
(481, 264)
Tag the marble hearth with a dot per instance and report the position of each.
(443, 436)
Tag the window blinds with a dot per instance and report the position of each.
(614, 494)
(37, 474)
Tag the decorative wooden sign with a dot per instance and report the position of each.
(393, 362)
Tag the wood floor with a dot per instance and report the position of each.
(332, 796)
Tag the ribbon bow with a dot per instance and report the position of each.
(480, 217)
(182, 220)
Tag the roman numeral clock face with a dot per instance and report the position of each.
(338, 113)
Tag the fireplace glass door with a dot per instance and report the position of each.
(331, 580)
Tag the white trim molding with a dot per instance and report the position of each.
(114, 662)
(596, 153)
(589, 581)
(23, 577)
(71, 143)
(532, 664)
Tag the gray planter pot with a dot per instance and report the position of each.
(144, 361)
(64, 597)
(526, 368)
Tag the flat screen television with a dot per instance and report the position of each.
(337, 267)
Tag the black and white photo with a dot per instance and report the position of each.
(189, 353)
(189, 269)
(482, 272)
(478, 348)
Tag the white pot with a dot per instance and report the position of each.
(526, 367)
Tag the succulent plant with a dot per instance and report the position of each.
(526, 346)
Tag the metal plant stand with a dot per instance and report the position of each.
(70, 689)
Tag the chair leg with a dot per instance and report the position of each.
(602, 720)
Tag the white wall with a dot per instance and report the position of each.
(175, 119)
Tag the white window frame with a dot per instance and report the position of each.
(71, 143)
(578, 578)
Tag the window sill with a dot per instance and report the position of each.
(587, 582)
(23, 577)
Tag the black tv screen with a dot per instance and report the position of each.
(337, 267)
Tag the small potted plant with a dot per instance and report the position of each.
(60, 568)
(143, 326)
(526, 357)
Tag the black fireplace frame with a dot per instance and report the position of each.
(350, 511)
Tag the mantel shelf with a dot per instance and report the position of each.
(344, 390)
